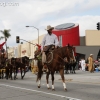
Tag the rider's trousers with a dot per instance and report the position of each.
(43, 57)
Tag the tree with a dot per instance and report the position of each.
(5, 36)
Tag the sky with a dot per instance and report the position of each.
(16, 14)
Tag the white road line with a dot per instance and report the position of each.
(68, 98)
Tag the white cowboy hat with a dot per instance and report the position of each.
(49, 27)
(91, 54)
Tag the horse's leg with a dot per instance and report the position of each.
(61, 71)
(70, 68)
(39, 75)
(24, 72)
(52, 75)
(39, 79)
(74, 69)
(10, 73)
(2, 73)
(14, 70)
(7, 73)
(47, 79)
(67, 68)
(21, 70)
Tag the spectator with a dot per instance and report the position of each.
(91, 63)
(82, 62)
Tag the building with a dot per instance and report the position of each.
(68, 33)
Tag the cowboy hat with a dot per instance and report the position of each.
(91, 54)
(49, 27)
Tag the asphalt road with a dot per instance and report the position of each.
(80, 86)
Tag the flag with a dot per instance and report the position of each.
(1, 45)
(39, 47)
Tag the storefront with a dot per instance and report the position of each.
(25, 50)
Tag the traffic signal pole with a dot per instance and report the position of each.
(27, 41)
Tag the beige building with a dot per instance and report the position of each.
(92, 38)
(25, 50)
(11, 52)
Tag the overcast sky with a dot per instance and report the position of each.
(16, 14)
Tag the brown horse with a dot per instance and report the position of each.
(2, 64)
(57, 64)
(21, 63)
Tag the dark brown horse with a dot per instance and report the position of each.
(21, 63)
(57, 64)
(10, 68)
(2, 64)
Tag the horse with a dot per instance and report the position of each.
(21, 63)
(70, 66)
(10, 68)
(2, 64)
(56, 64)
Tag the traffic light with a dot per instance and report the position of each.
(98, 26)
(17, 39)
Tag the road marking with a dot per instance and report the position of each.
(68, 98)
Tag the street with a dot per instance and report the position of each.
(80, 86)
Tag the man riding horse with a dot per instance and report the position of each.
(48, 41)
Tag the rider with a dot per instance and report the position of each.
(48, 40)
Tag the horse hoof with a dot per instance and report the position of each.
(22, 77)
(65, 89)
(38, 86)
(53, 89)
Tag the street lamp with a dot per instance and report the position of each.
(37, 30)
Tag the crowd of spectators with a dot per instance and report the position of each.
(89, 64)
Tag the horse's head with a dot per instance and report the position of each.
(71, 54)
(36, 53)
(13, 60)
(68, 51)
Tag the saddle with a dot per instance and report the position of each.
(49, 53)
(48, 48)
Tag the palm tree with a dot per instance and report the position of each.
(5, 36)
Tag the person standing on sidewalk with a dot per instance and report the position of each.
(83, 64)
(91, 63)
